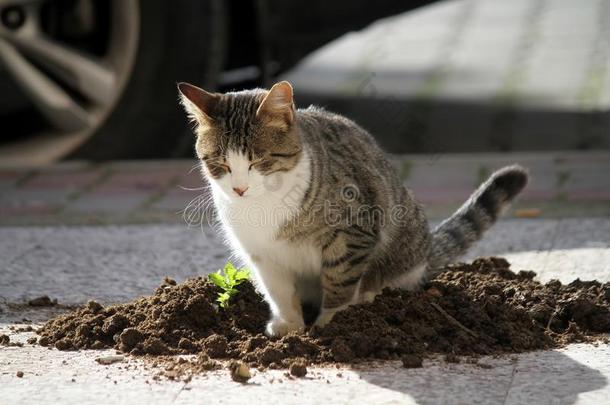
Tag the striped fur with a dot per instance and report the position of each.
(325, 218)
(456, 234)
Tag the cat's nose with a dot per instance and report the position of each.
(240, 190)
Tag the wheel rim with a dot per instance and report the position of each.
(73, 85)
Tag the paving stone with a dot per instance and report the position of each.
(67, 179)
(109, 263)
(387, 383)
(498, 75)
(138, 180)
(189, 188)
(525, 241)
(128, 187)
(75, 378)
(451, 178)
(34, 202)
(578, 374)
(564, 249)
(177, 200)
(480, 58)
(46, 192)
(117, 263)
(559, 86)
(10, 177)
(114, 263)
(141, 194)
(120, 204)
(581, 249)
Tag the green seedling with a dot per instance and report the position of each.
(227, 280)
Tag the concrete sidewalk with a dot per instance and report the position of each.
(576, 375)
(112, 232)
(562, 183)
(117, 263)
(462, 75)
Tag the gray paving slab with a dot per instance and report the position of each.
(114, 263)
(567, 183)
(109, 263)
(565, 249)
(474, 50)
(120, 204)
(19, 201)
(471, 75)
(55, 377)
(386, 383)
(577, 374)
(588, 259)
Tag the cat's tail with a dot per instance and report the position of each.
(457, 233)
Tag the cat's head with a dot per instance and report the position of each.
(244, 137)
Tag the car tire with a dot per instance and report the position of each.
(178, 41)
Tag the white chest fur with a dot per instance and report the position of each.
(251, 223)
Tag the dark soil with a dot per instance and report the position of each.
(5, 340)
(411, 361)
(240, 371)
(42, 301)
(468, 310)
(298, 368)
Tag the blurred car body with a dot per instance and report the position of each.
(472, 76)
(95, 79)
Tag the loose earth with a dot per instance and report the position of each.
(481, 308)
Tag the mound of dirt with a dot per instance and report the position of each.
(469, 309)
(42, 301)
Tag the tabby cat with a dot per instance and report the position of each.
(309, 201)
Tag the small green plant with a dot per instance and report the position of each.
(228, 279)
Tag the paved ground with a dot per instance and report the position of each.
(86, 238)
(472, 75)
(115, 263)
(562, 183)
(577, 375)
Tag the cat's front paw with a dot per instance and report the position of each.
(324, 318)
(280, 327)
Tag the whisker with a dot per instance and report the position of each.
(195, 166)
(192, 213)
(206, 185)
(193, 189)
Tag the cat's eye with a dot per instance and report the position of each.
(227, 167)
(254, 163)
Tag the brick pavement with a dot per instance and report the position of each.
(153, 191)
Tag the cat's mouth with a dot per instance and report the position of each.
(240, 191)
(240, 198)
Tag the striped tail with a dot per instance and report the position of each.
(457, 233)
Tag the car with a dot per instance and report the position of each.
(96, 79)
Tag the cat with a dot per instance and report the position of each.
(310, 202)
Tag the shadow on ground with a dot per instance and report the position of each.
(548, 377)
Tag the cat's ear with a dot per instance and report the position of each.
(277, 108)
(198, 103)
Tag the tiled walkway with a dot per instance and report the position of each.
(472, 75)
(126, 233)
(153, 191)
